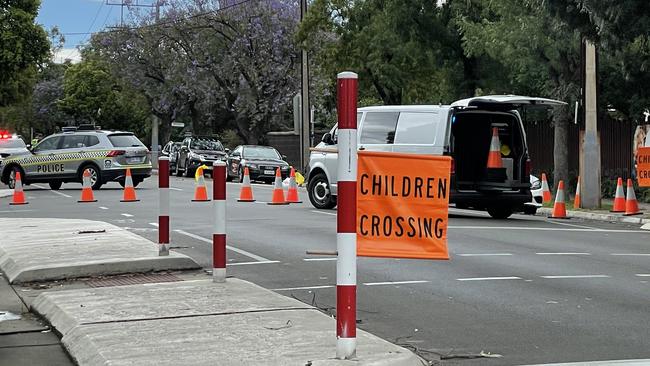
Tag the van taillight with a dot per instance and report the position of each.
(529, 166)
(453, 166)
(114, 153)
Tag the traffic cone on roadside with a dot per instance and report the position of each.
(631, 205)
(246, 191)
(546, 192)
(129, 190)
(494, 156)
(292, 192)
(87, 189)
(559, 207)
(201, 191)
(576, 199)
(278, 193)
(619, 197)
(19, 195)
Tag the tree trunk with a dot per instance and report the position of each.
(561, 150)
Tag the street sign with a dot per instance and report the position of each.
(643, 166)
(402, 212)
(178, 124)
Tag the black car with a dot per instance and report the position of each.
(262, 162)
(171, 150)
(196, 151)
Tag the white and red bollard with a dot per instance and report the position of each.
(346, 218)
(219, 234)
(163, 205)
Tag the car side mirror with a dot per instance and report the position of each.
(327, 139)
(185, 149)
(227, 150)
(236, 154)
(284, 157)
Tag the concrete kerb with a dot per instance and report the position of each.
(54, 249)
(6, 192)
(200, 323)
(601, 217)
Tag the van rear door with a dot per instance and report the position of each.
(504, 102)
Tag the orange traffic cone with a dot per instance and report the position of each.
(619, 197)
(576, 199)
(129, 190)
(546, 192)
(559, 208)
(278, 193)
(631, 205)
(246, 192)
(201, 191)
(87, 189)
(494, 156)
(292, 193)
(19, 195)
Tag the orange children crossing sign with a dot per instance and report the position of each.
(643, 166)
(402, 205)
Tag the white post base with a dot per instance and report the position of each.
(163, 249)
(346, 348)
(218, 274)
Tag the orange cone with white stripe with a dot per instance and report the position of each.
(559, 208)
(246, 191)
(619, 197)
(576, 199)
(19, 195)
(292, 192)
(129, 190)
(494, 156)
(546, 192)
(87, 189)
(201, 191)
(278, 193)
(631, 205)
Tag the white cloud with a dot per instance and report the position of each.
(71, 54)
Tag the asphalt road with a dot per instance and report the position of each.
(527, 288)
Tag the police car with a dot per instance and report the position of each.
(11, 145)
(63, 157)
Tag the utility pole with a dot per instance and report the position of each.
(305, 110)
(590, 157)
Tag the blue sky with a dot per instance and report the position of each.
(78, 16)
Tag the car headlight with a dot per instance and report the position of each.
(536, 185)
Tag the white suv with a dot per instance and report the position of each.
(462, 130)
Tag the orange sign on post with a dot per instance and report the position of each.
(402, 212)
(643, 166)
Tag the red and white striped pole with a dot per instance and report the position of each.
(163, 205)
(219, 235)
(346, 218)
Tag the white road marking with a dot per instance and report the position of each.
(14, 211)
(302, 288)
(571, 225)
(576, 276)
(595, 231)
(483, 254)
(642, 274)
(236, 250)
(126, 215)
(52, 191)
(565, 253)
(247, 263)
(632, 254)
(175, 189)
(488, 278)
(319, 259)
(324, 213)
(153, 224)
(103, 208)
(393, 283)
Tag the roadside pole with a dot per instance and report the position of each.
(163, 206)
(219, 234)
(346, 218)
(590, 162)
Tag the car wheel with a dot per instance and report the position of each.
(499, 213)
(12, 177)
(240, 175)
(95, 176)
(530, 210)
(188, 171)
(55, 186)
(319, 192)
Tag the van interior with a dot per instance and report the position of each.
(471, 134)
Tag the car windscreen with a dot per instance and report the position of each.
(11, 143)
(125, 140)
(206, 144)
(261, 153)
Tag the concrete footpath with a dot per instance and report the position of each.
(191, 321)
(53, 249)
